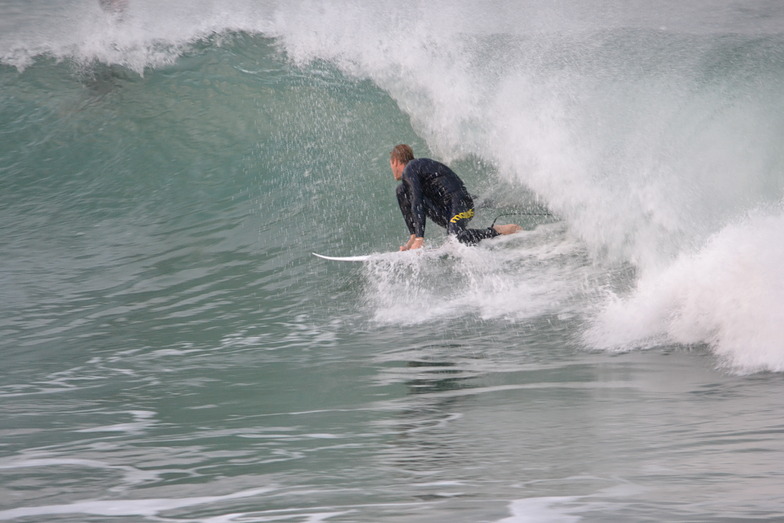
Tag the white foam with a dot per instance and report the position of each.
(727, 295)
(513, 278)
(150, 507)
(143, 420)
(541, 510)
(131, 475)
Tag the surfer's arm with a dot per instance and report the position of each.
(416, 201)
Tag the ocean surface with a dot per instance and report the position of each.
(173, 352)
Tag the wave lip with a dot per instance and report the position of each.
(137, 35)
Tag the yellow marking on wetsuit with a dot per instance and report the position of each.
(462, 216)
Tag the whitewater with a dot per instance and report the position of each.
(175, 353)
(653, 137)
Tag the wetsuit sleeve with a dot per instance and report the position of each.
(404, 203)
(417, 199)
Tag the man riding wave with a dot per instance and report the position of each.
(431, 189)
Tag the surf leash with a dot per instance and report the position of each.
(520, 214)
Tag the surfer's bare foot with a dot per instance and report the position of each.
(413, 242)
(509, 228)
(409, 244)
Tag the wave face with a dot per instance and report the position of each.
(652, 132)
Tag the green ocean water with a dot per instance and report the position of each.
(172, 351)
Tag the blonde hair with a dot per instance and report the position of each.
(402, 153)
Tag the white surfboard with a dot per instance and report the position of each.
(361, 258)
(391, 255)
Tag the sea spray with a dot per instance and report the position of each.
(649, 131)
(727, 295)
(648, 142)
(515, 279)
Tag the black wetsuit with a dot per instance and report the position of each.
(431, 189)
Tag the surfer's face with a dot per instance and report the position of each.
(397, 169)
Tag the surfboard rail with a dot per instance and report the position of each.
(360, 258)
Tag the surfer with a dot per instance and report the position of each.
(433, 190)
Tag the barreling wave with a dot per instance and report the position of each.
(653, 132)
